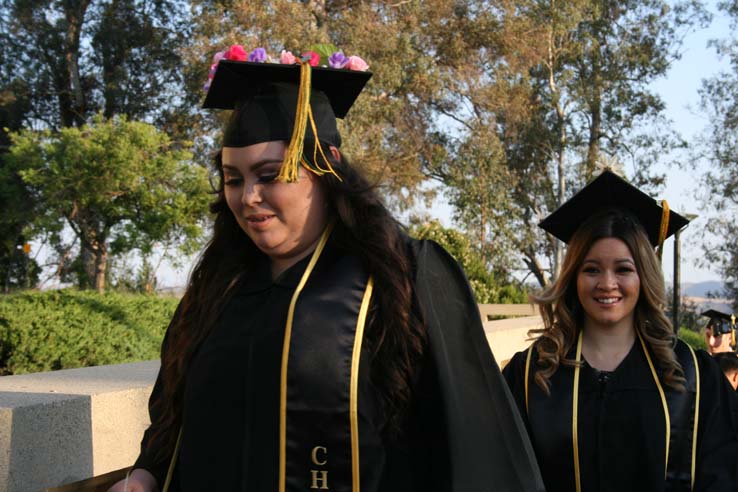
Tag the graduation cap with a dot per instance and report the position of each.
(292, 101)
(720, 323)
(609, 190)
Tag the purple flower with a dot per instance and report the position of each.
(259, 55)
(338, 60)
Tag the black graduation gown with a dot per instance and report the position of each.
(621, 426)
(464, 433)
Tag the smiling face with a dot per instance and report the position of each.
(608, 285)
(284, 220)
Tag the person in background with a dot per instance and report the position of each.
(719, 332)
(613, 401)
(317, 346)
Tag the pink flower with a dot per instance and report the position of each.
(218, 56)
(235, 53)
(213, 68)
(287, 58)
(356, 63)
(312, 57)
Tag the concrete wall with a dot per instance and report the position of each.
(507, 336)
(64, 426)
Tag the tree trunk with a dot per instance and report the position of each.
(86, 276)
(558, 245)
(101, 263)
(536, 269)
(69, 86)
(562, 143)
(595, 109)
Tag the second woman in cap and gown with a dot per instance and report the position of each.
(317, 346)
(611, 399)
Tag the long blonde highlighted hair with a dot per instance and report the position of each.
(563, 314)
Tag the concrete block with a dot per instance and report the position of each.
(64, 426)
(508, 336)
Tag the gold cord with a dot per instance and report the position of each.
(527, 373)
(172, 462)
(575, 437)
(575, 414)
(293, 156)
(664, 228)
(667, 419)
(696, 414)
(354, 388)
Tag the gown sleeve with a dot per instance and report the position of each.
(147, 458)
(717, 441)
(488, 447)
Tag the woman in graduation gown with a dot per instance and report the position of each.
(317, 347)
(612, 400)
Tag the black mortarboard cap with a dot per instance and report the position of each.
(606, 191)
(720, 323)
(236, 80)
(715, 314)
(267, 99)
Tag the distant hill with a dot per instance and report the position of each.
(703, 304)
(701, 289)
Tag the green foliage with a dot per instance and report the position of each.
(325, 50)
(18, 271)
(719, 97)
(119, 185)
(694, 339)
(118, 58)
(44, 331)
(487, 288)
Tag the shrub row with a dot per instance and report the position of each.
(63, 329)
(693, 338)
(45, 331)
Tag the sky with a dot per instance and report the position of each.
(679, 89)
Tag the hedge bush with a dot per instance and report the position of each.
(46, 331)
(693, 338)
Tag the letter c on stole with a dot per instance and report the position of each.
(314, 455)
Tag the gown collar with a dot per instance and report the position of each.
(259, 278)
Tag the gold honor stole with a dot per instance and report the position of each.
(318, 414)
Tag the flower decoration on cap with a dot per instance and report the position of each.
(312, 58)
(287, 58)
(319, 55)
(235, 53)
(338, 60)
(259, 55)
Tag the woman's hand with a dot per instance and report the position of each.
(139, 480)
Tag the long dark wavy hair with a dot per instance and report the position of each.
(395, 332)
(563, 314)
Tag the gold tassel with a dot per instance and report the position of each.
(664, 229)
(293, 156)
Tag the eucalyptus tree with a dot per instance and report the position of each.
(719, 102)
